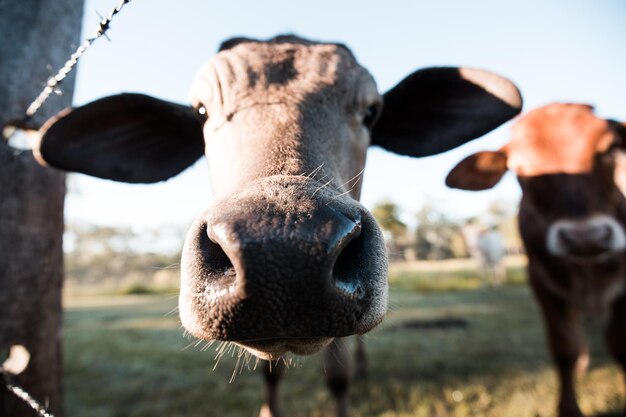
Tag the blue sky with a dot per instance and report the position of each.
(554, 50)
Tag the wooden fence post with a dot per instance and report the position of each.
(36, 37)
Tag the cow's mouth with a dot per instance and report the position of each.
(270, 349)
(592, 257)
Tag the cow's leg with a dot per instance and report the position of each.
(338, 371)
(499, 273)
(360, 359)
(616, 333)
(568, 348)
(490, 274)
(272, 373)
(484, 273)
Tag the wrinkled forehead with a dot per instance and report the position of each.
(558, 138)
(286, 68)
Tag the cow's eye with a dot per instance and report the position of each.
(202, 113)
(371, 115)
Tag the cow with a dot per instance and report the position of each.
(486, 247)
(572, 217)
(286, 259)
(492, 249)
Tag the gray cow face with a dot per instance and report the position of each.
(286, 259)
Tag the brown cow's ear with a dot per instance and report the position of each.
(479, 171)
(128, 137)
(437, 109)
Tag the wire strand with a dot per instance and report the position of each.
(26, 397)
(54, 81)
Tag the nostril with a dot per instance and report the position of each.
(345, 271)
(566, 237)
(216, 262)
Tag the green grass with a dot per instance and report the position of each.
(144, 289)
(125, 356)
(450, 275)
(444, 281)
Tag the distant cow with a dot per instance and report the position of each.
(286, 259)
(486, 246)
(492, 250)
(572, 219)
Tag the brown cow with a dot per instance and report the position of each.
(286, 259)
(572, 218)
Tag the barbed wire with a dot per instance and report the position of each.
(24, 396)
(54, 81)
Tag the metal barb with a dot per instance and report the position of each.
(55, 80)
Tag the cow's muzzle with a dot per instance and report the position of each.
(284, 265)
(592, 239)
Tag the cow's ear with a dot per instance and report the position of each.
(437, 109)
(128, 137)
(479, 171)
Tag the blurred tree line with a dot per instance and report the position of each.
(121, 258)
(436, 236)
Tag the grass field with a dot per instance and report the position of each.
(125, 356)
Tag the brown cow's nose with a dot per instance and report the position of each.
(283, 261)
(587, 238)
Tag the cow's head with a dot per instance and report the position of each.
(565, 160)
(286, 258)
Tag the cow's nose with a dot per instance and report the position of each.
(284, 265)
(237, 254)
(587, 238)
